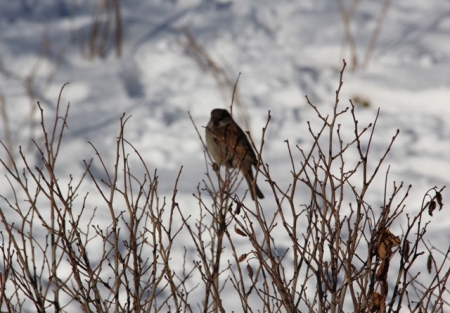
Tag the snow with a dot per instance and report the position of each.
(283, 50)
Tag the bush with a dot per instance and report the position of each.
(139, 252)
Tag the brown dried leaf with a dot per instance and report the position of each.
(439, 200)
(431, 207)
(384, 288)
(387, 242)
(383, 270)
(376, 301)
(215, 167)
(383, 251)
(405, 250)
(239, 232)
(242, 257)
(250, 271)
(391, 238)
(237, 211)
(430, 263)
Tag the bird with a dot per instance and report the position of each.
(229, 146)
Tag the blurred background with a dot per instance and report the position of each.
(158, 60)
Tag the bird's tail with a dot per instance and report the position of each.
(254, 189)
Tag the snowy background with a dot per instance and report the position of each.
(284, 50)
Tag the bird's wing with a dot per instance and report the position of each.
(243, 148)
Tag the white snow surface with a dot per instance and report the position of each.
(283, 51)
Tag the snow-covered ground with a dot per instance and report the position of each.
(284, 50)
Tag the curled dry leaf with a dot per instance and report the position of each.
(239, 232)
(250, 271)
(405, 250)
(242, 257)
(384, 288)
(431, 207)
(430, 263)
(383, 251)
(237, 211)
(391, 238)
(387, 242)
(376, 302)
(230, 207)
(439, 200)
(383, 270)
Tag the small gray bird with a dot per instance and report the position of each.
(229, 146)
